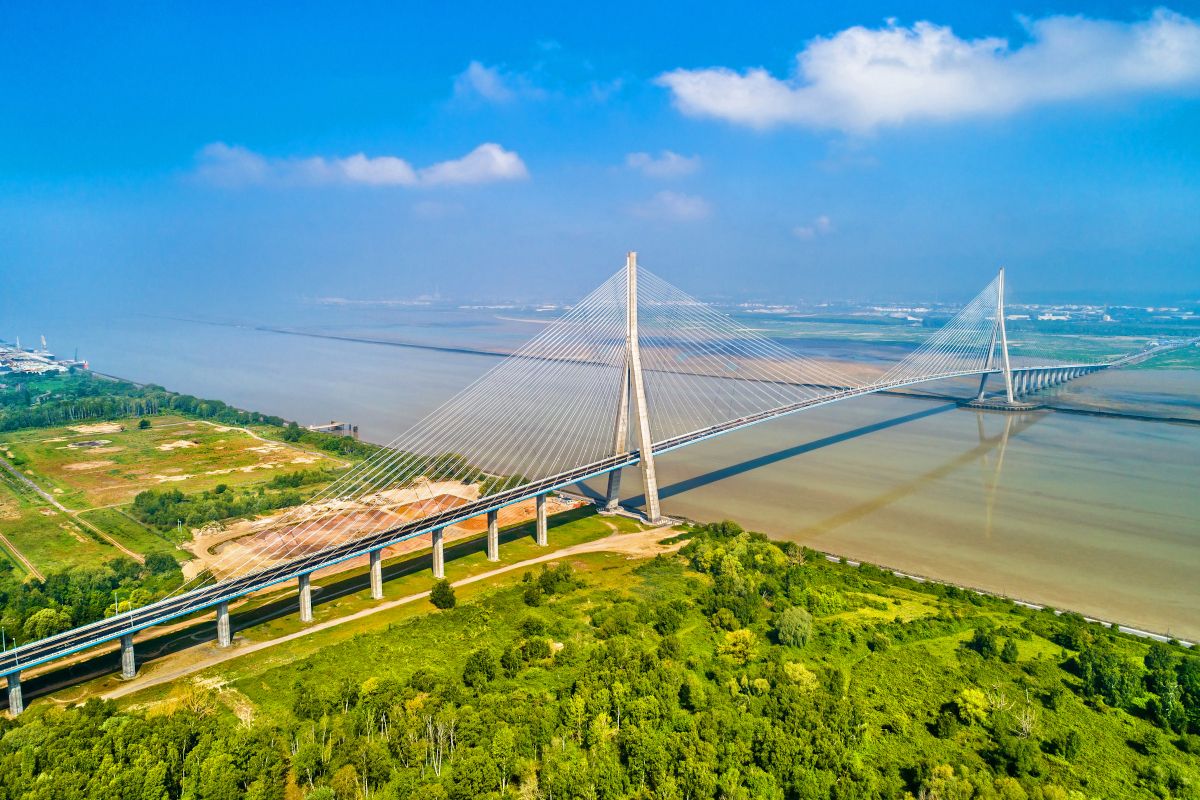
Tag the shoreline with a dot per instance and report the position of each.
(1141, 633)
(929, 396)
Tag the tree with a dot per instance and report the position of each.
(160, 562)
(504, 755)
(46, 622)
(985, 643)
(143, 423)
(442, 595)
(537, 649)
(1009, 653)
(479, 669)
(1107, 673)
(738, 646)
(291, 433)
(345, 783)
(793, 627)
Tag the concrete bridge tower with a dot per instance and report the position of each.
(633, 393)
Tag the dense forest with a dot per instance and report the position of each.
(739, 668)
(34, 609)
(165, 509)
(35, 401)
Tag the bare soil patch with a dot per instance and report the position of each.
(85, 465)
(99, 427)
(312, 527)
(166, 447)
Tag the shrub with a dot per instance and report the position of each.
(985, 643)
(537, 649)
(738, 646)
(479, 669)
(442, 595)
(533, 595)
(793, 627)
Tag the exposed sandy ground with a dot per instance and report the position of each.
(99, 427)
(79, 466)
(175, 445)
(295, 532)
(644, 544)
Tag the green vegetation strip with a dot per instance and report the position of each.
(740, 668)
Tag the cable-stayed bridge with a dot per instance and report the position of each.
(636, 369)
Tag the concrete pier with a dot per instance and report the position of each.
(439, 553)
(128, 661)
(493, 536)
(541, 538)
(16, 701)
(377, 574)
(224, 629)
(306, 597)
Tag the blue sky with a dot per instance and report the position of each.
(207, 158)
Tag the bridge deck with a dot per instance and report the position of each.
(198, 600)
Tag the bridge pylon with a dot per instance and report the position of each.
(999, 337)
(1007, 366)
(631, 403)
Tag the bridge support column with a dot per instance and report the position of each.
(541, 536)
(224, 628)
(16, 701)
(306, 597)
(377, 574)
(128, 660)
(493, 536)
(439, 553)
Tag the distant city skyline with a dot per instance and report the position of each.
(210, 160)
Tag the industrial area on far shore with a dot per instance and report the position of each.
(15, 359)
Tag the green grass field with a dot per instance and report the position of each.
(107, 463)
(131, 533)
(50, 539)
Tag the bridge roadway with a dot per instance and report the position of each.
(60, 645)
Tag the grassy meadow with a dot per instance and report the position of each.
(97, 464)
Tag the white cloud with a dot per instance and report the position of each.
(481, 82)
(486, 163)
(484, 82)
(860, 79)
(674, 206)
(818, 227)
(667, 165)
(233, 165)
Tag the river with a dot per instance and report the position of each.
(1094, 514)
